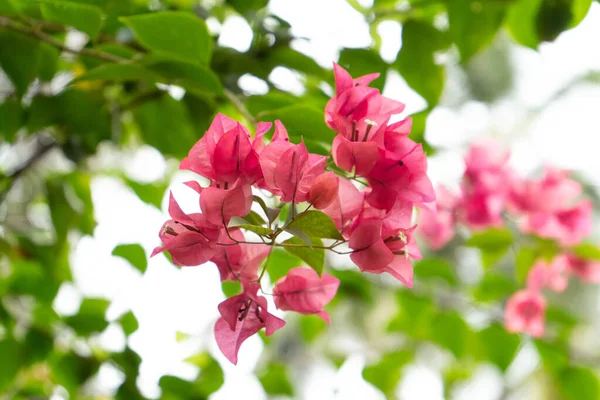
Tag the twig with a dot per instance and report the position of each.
(235, 100)
(10, 24)
(16, 174)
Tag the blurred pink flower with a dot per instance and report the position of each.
(525, 312)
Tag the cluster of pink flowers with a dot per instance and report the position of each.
(373, 215)
(551, 207)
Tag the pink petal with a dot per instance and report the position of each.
(303, 291)
(401, 268)
(288, 171)
(343, 80)
(221, 205)
(188, 249)
(229, 309)
(324, 190)
(229, 341)
(347, 155)
(370, 252)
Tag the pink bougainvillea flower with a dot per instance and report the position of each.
(568, 226)
(587, 271)
(226, 153)
(399, 217)
(377, 251)
(355, 106)
(241, 317)
(190, 239)
(238, 262)
(525, 312)
(481, 210)
(400, 174)
(360, 155)
(346, 206)
(555, 191)
(437, 226)
(553, 275)
(324, 190)
(270, 156)
(303, 291)
(220, 205)
(485, 163)
(289, 169)
(360, 115)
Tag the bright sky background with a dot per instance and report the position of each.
(166, 300)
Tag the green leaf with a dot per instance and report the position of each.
(230, 288)
(211, 375)
(129, 323)
(275, 380)
(491, 239)
(20, 59)
(134, 253)
(270, 101)
(520, 22)
(315, 258)
(90, 318)
(493, 244)
(311, 327)
(163, 119)
(119, 73)
(416, 62)
(553, 17)
(85, 116)
(279, 263)
(261, 230)
(63, 215)
(7, 8)
(287, 57)
(415, 315)
(435, 268)
(84, 17)
(523, 263)
(248, 6)
(151, 193)
(576, 383)
(38, 345)
(554, 356)
(71, 370)
(473, 24)
(579, 9)
(271, 213)
(178, 35)
(587, 251)
(11, 361)
(316, 224)
(386, 373)
(361, 62)
(451, 332)
(31, 277)
(494, 287)
(303, 122)
(11, 118)
(254, 218)
(195, 78)
(499, 346)
(353, 285)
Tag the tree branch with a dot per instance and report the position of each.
(16, 27)
(235, 100)
(43, 148)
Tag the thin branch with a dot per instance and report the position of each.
(235, 100)
(10, 24)
(39, 153)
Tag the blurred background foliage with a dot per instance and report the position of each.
(79, 74)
